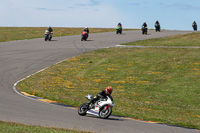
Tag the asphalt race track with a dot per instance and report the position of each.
(19, 59)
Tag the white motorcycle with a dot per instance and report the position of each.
(101, 108)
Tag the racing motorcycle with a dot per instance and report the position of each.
(194, 27)
(84, 36)
(118, 30)
(144, 30)
(48, 35)
(157, 27)
(101, 108)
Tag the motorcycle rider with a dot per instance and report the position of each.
(144, 25)
(144, 28)
(49, 33)
(157, 25)
(194, 25)
(50, 29)
(102, 94)
(119, 28)
(120, 25)
(86, 30)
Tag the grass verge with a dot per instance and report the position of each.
(177, 40)
(156, 84)
(21, 33)
(7, 127)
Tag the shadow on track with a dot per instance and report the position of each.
(110, 118)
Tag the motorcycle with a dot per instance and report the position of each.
(84, 36)
(144, 30)
(48, 35)
(101, 108)
(195, 27)
(118, 30)
(157, 27)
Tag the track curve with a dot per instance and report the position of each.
(19, 59)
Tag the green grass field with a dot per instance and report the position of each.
(21, 33)
(177, 40)
(156, 84)
(7, 127)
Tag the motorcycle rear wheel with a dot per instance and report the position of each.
(83, 109)
(104, 114)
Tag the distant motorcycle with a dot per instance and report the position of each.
(194, 27)
(101, 108)
(84, 36)
(48, 35)
(118, 30)
(157, 27)
(144, 30)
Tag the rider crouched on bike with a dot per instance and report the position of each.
(86, 30)
(144, 25)
(102, 94)
(48, 33)
(194, 25)
(50, 29)
(157, 23)
(119, 24)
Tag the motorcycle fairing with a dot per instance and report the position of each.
(93, 112)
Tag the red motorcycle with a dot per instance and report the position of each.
(84, 36)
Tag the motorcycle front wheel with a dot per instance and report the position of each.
(45, 38)
(83, 109)
(104, 114)
(50, 37)
(82, 38)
